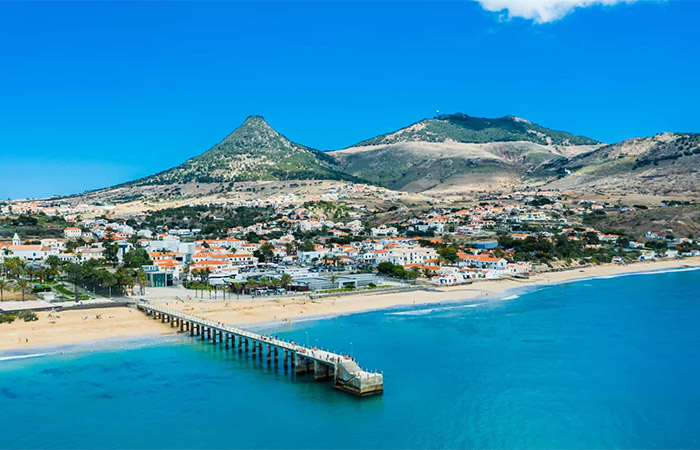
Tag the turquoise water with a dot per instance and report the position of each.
(606, 363)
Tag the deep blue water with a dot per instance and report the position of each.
(606, 363)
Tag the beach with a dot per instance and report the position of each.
(78, 326)
(70, 327)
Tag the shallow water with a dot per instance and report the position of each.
(605, 363)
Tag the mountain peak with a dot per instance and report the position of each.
(253, 131)
(253, 151)
(255, 121)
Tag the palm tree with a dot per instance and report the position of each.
(285, 280)
(3, 288)
(142, 279)
(23, 286)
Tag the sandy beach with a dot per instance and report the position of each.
(78, 326)
(83, 325)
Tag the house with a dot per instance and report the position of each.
(29, 253)
(647, 256)
(409, 254)
(72, 233)
(484, 261)
(383, 230)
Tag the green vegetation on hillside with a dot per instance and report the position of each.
(254, 151)
(463, 128)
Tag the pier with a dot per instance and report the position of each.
(323, 365)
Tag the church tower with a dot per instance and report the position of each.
(15, 240)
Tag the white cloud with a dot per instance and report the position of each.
(542, 11)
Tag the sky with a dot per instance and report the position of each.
(97, 93)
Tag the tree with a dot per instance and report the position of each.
(74, 274)
(252, 237)
(136, 258)
(448, 254)
(111, 251)
(142, 279)
(266, 252)
(3, 288)
(306, 246)
(23, 286)
(285, 280)
(202, 274)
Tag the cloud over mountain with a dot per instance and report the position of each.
(543, 11)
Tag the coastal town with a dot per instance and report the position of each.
(334, 244)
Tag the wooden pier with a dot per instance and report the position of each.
(346, 374)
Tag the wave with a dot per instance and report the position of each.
(98, 345)
(31, 355)
(422, 312)
(656, 272)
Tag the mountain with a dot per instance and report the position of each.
(254, 151)
(448, 153)
(458, 151)
(662, 164)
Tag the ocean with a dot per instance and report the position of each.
(600, 363)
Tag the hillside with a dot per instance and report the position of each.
(662, 164)
(459, 151)
(254, 151)
(463, 128)
(444, 155)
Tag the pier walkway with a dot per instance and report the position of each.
(324, 365)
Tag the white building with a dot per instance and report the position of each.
(72, 233)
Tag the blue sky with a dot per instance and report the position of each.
(97, 93)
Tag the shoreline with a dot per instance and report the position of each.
(125, 342)
(84, 328)
(514, 291)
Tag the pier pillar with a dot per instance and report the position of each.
(321, 371)
(255, 347)
(246, 345)
(285, 360)
(226, 341)
(269, 354)
(190, 329)
(260, 350)
(277, 356)
(213, 340)
(240, 344)
(300, 364)
(162, 318)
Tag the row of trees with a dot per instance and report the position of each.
(397, 271)
(98, 278)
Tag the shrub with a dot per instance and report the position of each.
(7, 318)
(28, 316)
